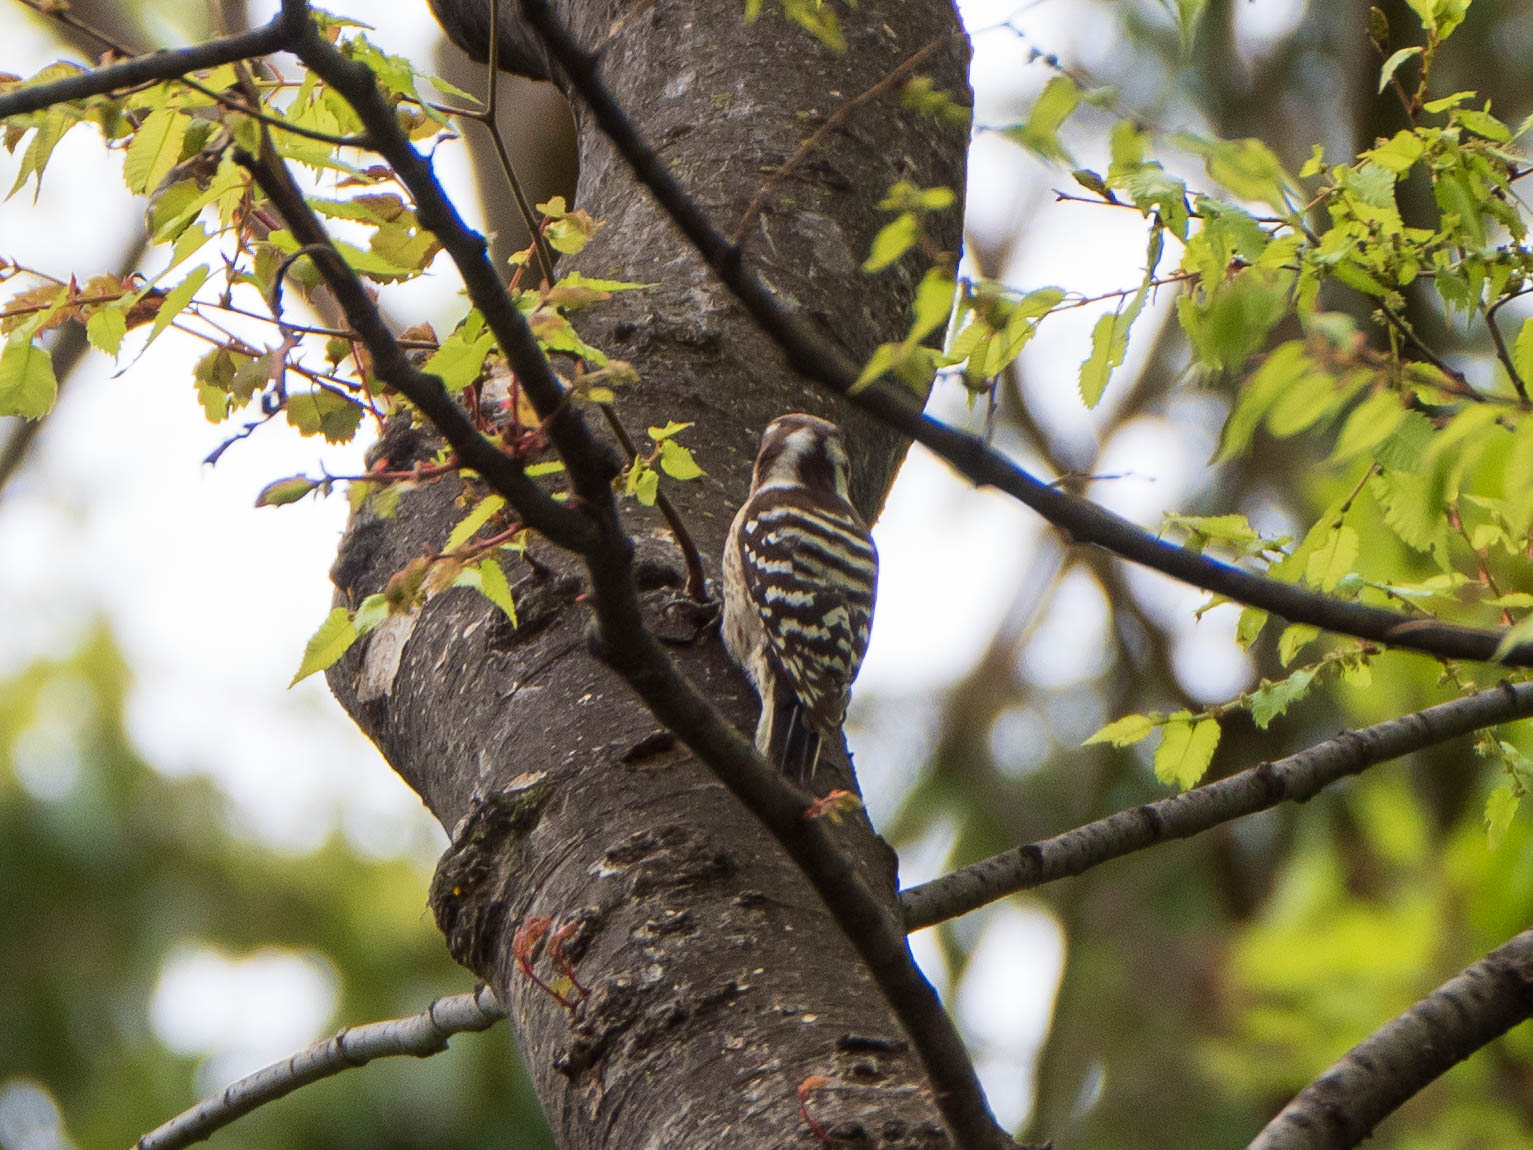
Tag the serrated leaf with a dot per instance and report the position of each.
(28, 386)
(1333, 558)
(156, 148)
(1184, 754)
(1284, 369)
(489, 579)
(469, 526)
(677, 462)
(1124, 732)
(176, 299)
(323, 412)
(459, 361)
(1270, 700)
(1500, 809)
(333, 639)
(106, 328)
(879, 362)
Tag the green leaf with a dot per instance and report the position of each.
(1187, 13)
(1186, 750)
(1247, 167)
(1124, 732)
(489, 579)
(1394, 62)
(1249, 628)
(933, 303)
(1295, 638)
(1522, 351)
(1270, 700)
(1440, 16)
(1500, 810)
(459, 360)
(470, 525)
(671, 428)
(156, 148)
(106, 328)
(282, 491)
(28, 386)
(677, 462)
(894, 239)
(1284, 366)
(1334, 558)
(1051, 109)
(333, 639)
(372, 611)
(176, 299)
(324, 412)
(1370, 422)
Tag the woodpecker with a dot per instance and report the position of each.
(799, 576)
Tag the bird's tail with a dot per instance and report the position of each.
(793, 746)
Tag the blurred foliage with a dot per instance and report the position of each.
(109, 869)
(1206, 982)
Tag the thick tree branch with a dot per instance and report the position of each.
(275, 36)
(623, 640)
(1341, 1107)
(1296, 778)
(420, 1035)
(817, 359)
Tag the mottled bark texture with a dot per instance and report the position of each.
(718, 983)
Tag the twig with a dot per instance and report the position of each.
(486, 117)
(274, 36)
(1427, 353)
(1502, 353)
(1340, 1108)
(817, 359)
(832, 122)
(419, 1035)
(1293, 779)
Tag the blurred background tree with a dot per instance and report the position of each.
(1204, 983)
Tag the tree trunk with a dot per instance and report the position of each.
(717, 982)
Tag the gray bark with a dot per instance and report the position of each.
(718, 982)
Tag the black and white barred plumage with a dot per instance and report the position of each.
(799, 578)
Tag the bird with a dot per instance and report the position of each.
(800, 577)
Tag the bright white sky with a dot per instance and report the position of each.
(116, 518)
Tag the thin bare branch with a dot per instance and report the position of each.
(275, 36)
(818, 359)
(419, 1035)
(1341, 1107)
(1294, 779)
